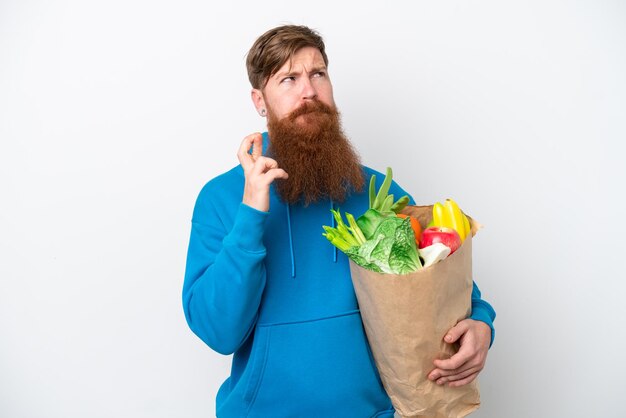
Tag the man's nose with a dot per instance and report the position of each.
(308, 89)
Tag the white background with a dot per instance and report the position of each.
(113, 114)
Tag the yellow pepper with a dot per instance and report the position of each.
(456, 217)
(449, 215)
(438, 215)
(468, 227)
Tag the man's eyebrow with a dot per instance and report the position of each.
(317, 69)
(290, 72)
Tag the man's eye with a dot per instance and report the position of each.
(287, 79)
(319, 74)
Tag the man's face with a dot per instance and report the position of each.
(306, 138)
(301, 80)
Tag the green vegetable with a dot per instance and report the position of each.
(381, 205)
(383, 202)
(378, 240)
(354, 229)
(336, 239)
(400, 204)
(344, 237)
(343, 229)
(369, 221)
(382, 192)
(392, 250)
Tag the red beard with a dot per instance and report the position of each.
(311, 147)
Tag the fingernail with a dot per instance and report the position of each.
(449, 338)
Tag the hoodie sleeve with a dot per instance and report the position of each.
(225, 275)
(481, 309)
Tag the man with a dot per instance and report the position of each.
(261, 281)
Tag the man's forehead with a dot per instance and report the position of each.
(309, 58)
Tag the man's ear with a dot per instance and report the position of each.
(259, 101)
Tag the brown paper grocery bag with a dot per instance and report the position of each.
(406, 317)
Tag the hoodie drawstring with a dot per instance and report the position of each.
(293, 261)
(291, 252)
(332, 222)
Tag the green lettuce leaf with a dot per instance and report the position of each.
(391, 249)
(404, 257)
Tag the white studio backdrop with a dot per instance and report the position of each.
(114, 114)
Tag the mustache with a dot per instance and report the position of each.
(314, 106)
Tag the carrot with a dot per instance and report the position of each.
(415, 225)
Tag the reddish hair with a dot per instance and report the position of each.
(276, 47)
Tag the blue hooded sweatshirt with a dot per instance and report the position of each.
(268, 287)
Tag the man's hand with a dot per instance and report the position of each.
(464, 366)
(259, 171)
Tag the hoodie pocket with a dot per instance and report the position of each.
(314, 368)
(257, 366)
